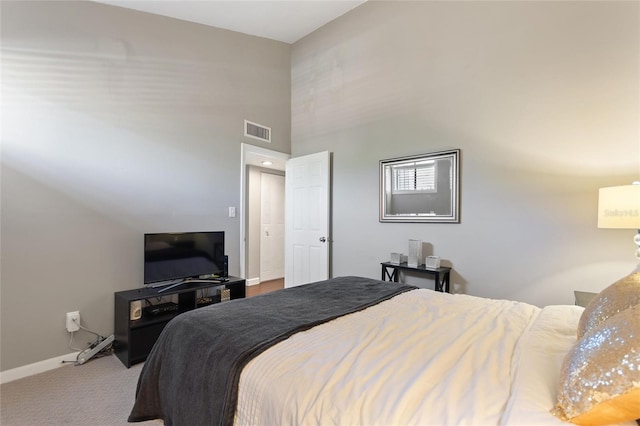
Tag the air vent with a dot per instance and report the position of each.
(257, 131)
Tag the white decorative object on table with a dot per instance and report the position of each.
(415, 253)
(396, 258)
(432, 262)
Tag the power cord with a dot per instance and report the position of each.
(80, 359)
(71, 342)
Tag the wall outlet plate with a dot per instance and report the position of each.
(71, 324)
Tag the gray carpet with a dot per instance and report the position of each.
(100, 392)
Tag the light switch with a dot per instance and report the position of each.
(232, 212)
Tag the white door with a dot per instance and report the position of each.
(307, 219)
(271, 227)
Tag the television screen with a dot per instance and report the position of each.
(173, 256)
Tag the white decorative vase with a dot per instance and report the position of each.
(415, 253)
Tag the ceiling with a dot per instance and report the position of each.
(282, 20)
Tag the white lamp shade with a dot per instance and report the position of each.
(619, 207)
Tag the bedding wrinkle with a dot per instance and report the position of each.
(492, 331)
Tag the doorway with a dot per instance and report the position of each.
(256, 163)
(271, 226)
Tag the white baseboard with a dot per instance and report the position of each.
(253, 281)
(35, 368)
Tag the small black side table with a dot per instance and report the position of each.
(442, 275)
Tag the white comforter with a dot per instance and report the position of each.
(420, 358)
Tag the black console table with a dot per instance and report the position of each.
(134, 338)
(442, 275)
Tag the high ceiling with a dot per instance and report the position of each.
(282, 20)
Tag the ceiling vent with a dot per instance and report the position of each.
(257, 131)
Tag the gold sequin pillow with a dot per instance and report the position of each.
(600, 377)
(619, 296)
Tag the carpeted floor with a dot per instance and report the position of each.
(100, 393)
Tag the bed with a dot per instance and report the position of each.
(355, 351)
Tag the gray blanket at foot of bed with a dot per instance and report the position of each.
(191, 375)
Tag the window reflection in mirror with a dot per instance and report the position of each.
(421, 188)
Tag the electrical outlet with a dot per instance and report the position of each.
(73, 321)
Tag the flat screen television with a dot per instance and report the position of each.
(183, 256)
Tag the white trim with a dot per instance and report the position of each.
(253, 281)
(36, 368)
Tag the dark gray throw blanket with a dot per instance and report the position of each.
(191, 375)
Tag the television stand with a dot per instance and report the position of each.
(135, 338)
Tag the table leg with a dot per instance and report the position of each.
(438, 284)
(393, 276)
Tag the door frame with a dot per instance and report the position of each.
(252, 155)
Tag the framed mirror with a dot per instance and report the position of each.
(420, 188)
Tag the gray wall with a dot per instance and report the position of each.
(541, 97)
(116, 123)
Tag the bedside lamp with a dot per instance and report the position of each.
(619, 208)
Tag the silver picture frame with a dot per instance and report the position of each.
(421, 188)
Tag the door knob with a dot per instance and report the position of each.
(323, 239)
